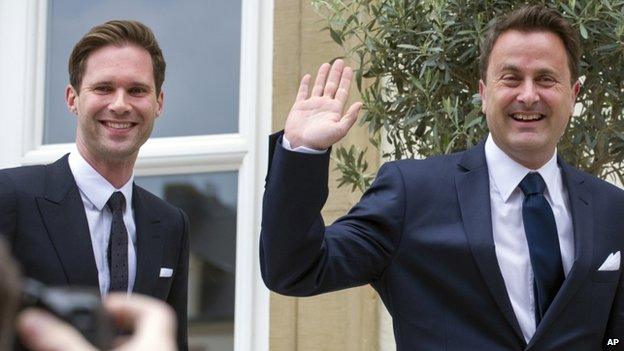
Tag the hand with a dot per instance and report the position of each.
(317, 121)
(151, 320)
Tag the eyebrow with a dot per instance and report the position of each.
(509, 67)
(514, 68)
(133, 84)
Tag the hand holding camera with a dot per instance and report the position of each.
(151, 323)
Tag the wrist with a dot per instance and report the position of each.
(292, 141)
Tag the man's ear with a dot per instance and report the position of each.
(160, 100)
(482, 94)
(576, 88)
(71, 99)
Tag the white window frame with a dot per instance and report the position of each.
(22, 68)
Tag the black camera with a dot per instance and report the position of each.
(80, 307)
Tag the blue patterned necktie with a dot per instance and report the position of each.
(118, 245)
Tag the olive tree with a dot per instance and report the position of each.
(416, 68)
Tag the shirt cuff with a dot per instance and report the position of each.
(302, 149)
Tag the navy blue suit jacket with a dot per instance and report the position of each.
(44, 220)
(422, 237)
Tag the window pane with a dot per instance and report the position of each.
(209, 200)
(201, 44)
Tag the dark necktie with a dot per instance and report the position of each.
(541, 234)
(118, 245)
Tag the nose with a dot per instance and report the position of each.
(120, 104)
(528, 94)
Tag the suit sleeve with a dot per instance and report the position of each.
(614, 335)
(299, 256)
(615, 326)
(8, 208)
(611, 217)
(178, 294)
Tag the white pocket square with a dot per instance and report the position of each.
(612, 263)
(168, 272)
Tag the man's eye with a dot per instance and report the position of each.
(137, 91)
(103, 89)
(510, 80)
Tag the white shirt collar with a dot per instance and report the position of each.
(95, 187)
(507, 173)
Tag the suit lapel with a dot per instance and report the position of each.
(64, 216)
(149, 243)
(582, 221)
(473, 192)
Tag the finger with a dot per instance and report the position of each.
(347, 121)
(304, 86)
(140, 313)
(321, 76)
(334, 78)
(40, 331)
(152, 321)
(342, 94)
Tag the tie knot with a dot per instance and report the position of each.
(116, 201)
(532, 184)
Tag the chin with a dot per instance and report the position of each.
(527, 141)
(120, 153)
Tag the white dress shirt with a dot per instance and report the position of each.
(512, 250)
(95, 192)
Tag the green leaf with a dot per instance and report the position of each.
(335, 36)
(408, 46)
(583, 31)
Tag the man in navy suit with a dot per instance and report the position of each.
(501, 247)
(81, 221)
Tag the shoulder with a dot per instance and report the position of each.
(32, 179)
(23, 175)
(431, 169)
(157, 206)
(599, 189)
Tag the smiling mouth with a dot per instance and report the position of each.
(526, 117)
(118, 125)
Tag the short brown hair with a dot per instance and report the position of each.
(530, 19)
(118, 33)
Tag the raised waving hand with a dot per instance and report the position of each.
(316, 119)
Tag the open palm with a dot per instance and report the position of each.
(317, 121)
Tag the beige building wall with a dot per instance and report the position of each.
(346, 320)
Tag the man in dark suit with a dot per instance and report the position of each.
(501, 247)
(82, 221)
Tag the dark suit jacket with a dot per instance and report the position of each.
(422, 237)
(43, 217)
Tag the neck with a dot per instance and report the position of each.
(116, 172)
(531, 159)
(532, 163)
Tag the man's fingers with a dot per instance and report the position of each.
(321, 77)
(347, 121)
(40, 331)
(334, 78)
(342, 94)
(304, 86)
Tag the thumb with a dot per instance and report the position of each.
(347, 121)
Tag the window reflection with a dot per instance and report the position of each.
(201, 44)
(209, 200)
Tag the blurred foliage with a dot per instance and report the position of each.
(416, 67)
